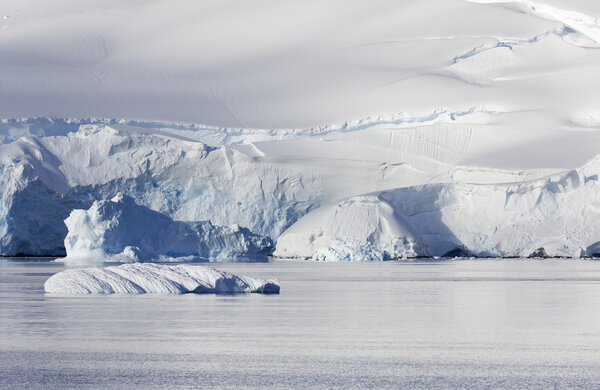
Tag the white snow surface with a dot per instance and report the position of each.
(288, 64)
(155, 279)
(558, 213)
(120, 230)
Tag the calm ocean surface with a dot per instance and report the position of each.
(444, 324)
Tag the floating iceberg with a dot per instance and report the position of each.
(155, 279)
(121, 230)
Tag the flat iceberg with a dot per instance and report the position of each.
(155, 279)
(123, 231)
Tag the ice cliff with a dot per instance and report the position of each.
(43, 178)
(366, 174)
(120, 230)
(558, 213)
(155, 279)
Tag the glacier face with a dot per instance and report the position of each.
(264, 186)
(155, 279)
(558, 214)
(45, 177)
(121, 230)
(349, 250)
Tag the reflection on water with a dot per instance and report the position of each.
(484, 323)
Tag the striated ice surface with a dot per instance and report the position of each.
(155, 279)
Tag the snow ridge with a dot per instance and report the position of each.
(509, 43)
(13, 129)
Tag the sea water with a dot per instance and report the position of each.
(416, 324)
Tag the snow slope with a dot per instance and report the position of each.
(120, 230)
(558, 213)
(284, 64)
(155, 279)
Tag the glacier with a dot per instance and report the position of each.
(155, 279)
(264, 187)
(43, 178)
(120, 230)
(554, 216)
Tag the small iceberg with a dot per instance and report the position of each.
(145, 278)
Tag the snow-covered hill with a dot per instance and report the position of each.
(285, 64)
(558, 214)
(256, 114)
